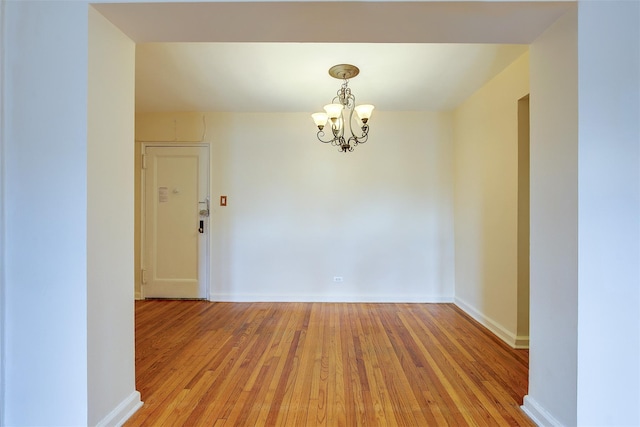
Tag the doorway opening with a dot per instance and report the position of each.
(522, 329)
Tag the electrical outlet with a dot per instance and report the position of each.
(337, 279)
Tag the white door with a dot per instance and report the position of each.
(176, 222)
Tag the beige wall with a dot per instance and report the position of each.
(486, 201)
(300, 212)
(110, 225)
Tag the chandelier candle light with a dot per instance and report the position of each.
(344, 104)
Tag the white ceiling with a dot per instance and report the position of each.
(294, 76)
(274, 56)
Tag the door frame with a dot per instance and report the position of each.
(207, 235)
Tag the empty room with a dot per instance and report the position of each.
(435, 258)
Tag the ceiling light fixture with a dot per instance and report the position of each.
(340, 112)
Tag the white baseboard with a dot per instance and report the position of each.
(515, 341)
(222, 297)
(521, 341)
(538, 414)
(122, 412)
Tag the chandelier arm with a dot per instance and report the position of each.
(353, 99)
(365, 134)
(337, 141)
(344, 145)
(365, 127)
(320, 136)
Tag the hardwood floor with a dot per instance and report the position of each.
(303, 364)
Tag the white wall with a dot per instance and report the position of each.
(554, 224)
(609, 214)
(45, 180)
(2, 156)
(300, 212)
(486, 201)
(110, 231)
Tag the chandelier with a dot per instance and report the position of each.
(339, 113)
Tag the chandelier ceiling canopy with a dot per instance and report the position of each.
(339, 114)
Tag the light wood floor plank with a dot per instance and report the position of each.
(311, 364)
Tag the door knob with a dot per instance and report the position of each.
(205, 212)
